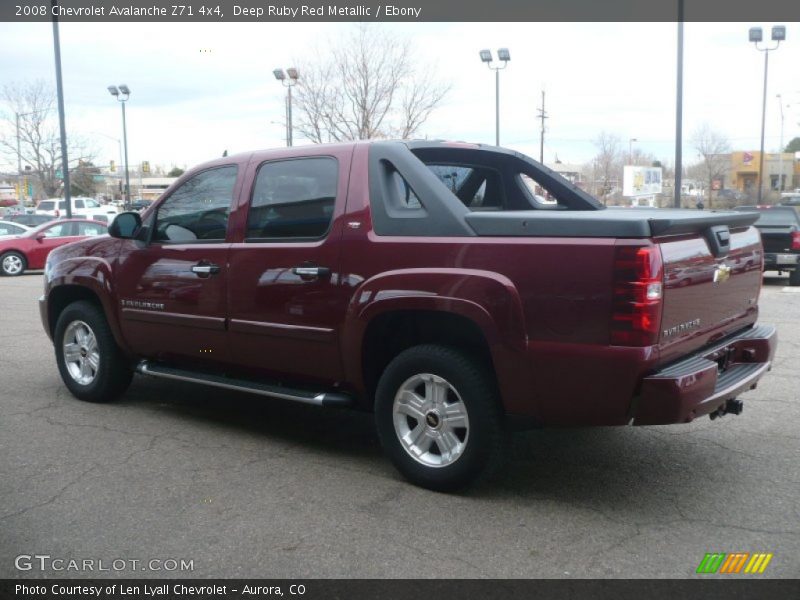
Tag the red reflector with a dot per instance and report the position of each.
(637, 302)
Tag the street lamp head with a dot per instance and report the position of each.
(293, 74)
(778, 33)
(756, 35)
(279, 74)
(486, 56)
(113, 90)
(504, 55)
(125, 90)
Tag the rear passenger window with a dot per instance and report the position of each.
(293, 199)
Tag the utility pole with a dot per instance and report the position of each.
(61, 117)
(780, 150)
(679, 114)
(541, 116)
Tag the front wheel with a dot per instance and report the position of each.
(90, 363)
(12, 264)
(438, 418)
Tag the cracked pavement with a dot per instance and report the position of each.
(249, 487)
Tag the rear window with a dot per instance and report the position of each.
(478, 187)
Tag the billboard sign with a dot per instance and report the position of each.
(641, 181)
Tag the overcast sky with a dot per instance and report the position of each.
(188, 106)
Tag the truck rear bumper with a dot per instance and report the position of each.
(700, 384)
(776, 260)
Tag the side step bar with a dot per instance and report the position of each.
(326, 399)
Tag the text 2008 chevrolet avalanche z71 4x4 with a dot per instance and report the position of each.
(425, 282)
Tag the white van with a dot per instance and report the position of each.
(87, 208)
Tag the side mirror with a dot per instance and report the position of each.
(125, 226)
(40, 237)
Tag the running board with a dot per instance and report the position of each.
(327, 399)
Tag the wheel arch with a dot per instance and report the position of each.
(62, 295)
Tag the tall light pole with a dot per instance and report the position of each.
(780, 150)
(122, 94)
(62, 119)
(630, 149)
(503, 56)
(757, 36)
(676, 200)
(288, 82)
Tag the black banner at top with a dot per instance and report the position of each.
(398, 10)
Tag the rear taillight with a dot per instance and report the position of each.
(638, 296)
(796, 240)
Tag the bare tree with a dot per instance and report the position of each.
(714, 150)
(32, 104)
(608, 161)
(367, 85)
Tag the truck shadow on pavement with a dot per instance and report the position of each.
(605, 467)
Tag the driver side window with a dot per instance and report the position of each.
(198, 210)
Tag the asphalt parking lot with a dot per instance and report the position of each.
(248, 487)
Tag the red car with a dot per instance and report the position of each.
(30, 250)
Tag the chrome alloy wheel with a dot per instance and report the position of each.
(81, 354)
(12, 264)
(430, 420)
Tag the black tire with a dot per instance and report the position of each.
(6, 267)
(794, 277)
(484, 441)
(113, 373)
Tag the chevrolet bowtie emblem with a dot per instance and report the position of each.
(722, 274)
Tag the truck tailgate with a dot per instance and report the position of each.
(708, 297)
(777, 238)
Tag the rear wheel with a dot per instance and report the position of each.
(90, 363)
(438, 418)
(794, 277)
(13, 263)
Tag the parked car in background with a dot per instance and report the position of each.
(734, 195)
(30, 250)
(12, 209)
(140, 204)
(780, 234)
(82, 207)
(790, 199)
(29, 220)
(9, 229)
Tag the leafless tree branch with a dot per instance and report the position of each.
(365, 86)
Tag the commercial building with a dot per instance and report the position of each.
(781, 171)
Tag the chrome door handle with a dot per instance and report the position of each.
(205, 269)
(311, 272)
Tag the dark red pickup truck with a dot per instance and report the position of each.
(425, 282)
